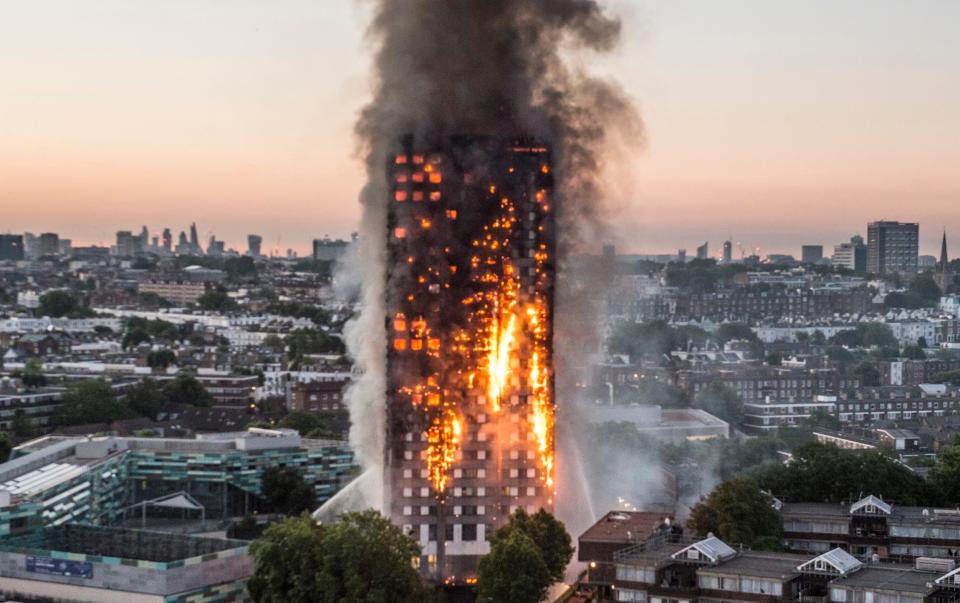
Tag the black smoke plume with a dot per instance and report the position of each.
(483, 68)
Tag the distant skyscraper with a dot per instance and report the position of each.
(852, 255)
(11, 247)
(682, 256)
(893, 247)
(811, 254)
(328, 249)
(253, 245)
(727, 252)
(703, 251)
(167, 240)
(195, 240)
(183, 246)
(48, 244)
(126, 245)
(142, 240)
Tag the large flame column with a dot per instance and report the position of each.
(470, 399)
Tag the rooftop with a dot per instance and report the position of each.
(625, 526)
(900, 579)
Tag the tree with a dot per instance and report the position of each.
(636, 340)
(57, 303)
(22, 427)
(825, 473)
(720, 401)
(311, 341)
(285, 491)
(185, 389)
(774, 359)
(274, 342)
(868, 373)
(945, 475)
(878, 334)
(914, 352)
(91, 401)
(216, 301)
(146, 398)
(732, 330)
(160, 359)
(286, 562)
(6, 446)
(133, 338)
(513, 570)
(367, 558)
(547, 533)
(738, 512)
(32, 375)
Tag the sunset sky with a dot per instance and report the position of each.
(779, 123)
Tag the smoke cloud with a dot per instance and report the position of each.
(493, 68)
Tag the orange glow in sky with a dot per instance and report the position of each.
(776, 123)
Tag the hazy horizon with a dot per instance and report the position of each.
(773, 124)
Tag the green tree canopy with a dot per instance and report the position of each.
(721, 401)
(547, 533)
(216, 301)
(285, 491)
(313, 341)
(185, 389)
(6, 446)
(57, 303)
(738, 512)
(90, 401)
(945, 475)
(729, 331)
(513, 570)
(146, 398)
(286, 562)
(825, 473)
(361, 557)
(160, 359)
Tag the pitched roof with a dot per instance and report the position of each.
(837, 561)
(711, 550)
(870, 504)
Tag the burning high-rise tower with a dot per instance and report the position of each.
(475, 113)
(470, 400)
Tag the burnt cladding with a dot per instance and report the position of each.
(470, 280)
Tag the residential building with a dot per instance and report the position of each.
(253, 245)
(872, 528)
(329, 250)
(319, 396)
(892, 247)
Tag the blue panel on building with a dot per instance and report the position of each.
(59, 567)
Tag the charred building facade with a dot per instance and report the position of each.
(470, 395)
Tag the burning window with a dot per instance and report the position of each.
(400, 232)
(400, 159)
(400, 195)
(417, 177)
(435, 196)
(436, 177)
(418, 195)
(399, 344)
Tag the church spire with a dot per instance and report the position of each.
(944, 260)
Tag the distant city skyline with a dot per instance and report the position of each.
(239, 115)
